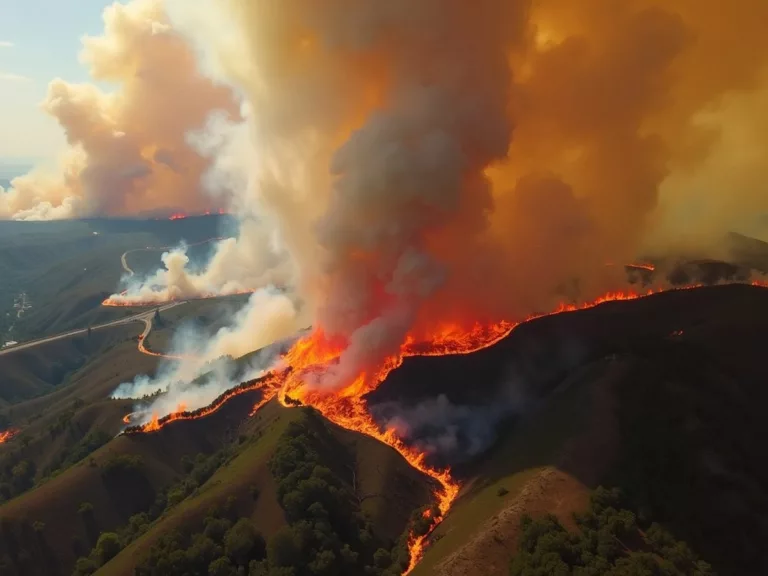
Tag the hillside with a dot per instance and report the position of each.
(388, 488)
(65, 269)
(660, 397)
(41, 369)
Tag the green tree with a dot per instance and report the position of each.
(281, 549)
(85, 509)
(84, 567)
(243, 543)
(107, 546)
(222, 567)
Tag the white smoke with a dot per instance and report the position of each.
(207, 366)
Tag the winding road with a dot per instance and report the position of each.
(145, 317)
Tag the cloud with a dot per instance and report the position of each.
(128, 152)
(6, 44)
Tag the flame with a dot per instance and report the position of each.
(123, 303)
(641, 266)
(636, 266)
(312, 355)
(177, 216)
(268, 384)
(7, 435)
(144, 350)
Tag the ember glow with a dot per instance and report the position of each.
(6, 435)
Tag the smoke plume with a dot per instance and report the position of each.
(439, 163)
(433, 164)
(128, 149)
(207, 367)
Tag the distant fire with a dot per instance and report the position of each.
(647, 267)
(7, 435)
(183, 215)
(144, 350)
(123, 301)
(310, 356)
(636, 266)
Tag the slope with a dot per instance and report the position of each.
(663, 399)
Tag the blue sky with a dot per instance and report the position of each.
(39, 40)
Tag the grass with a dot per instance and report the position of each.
(67, 268)
(517, 458)
(234, 479)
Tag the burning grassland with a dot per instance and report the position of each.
(267, 385)
(7, 435)
(299, 379)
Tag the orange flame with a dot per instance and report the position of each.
(7, 435)
(313, 355)
(641, 266)
(177, 216)
(268, 384)
(144, 350)
(123, 303)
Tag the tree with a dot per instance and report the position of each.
(84, 567)
(107, 547)
(222, 567)
(281, 549)
(243, 543)
(85, 509)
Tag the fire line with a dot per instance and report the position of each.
(346, 408)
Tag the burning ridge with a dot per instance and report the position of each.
(121, 300)
(6, 435)
(268, 384)
(348, 407)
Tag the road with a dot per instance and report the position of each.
(145, 317)
(158, 248)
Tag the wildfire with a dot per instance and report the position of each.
(268, 384)
(144, 350)
(123, 302)
(641, 266)
(7, 435)
(311, 357)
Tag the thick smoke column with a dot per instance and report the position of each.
(455, 162)
(128, 149)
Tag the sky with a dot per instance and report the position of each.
(39, 41)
